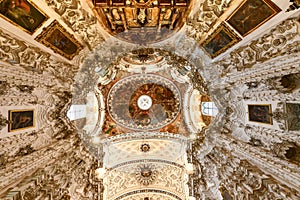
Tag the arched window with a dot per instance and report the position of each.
(76, 112)
(209, 108)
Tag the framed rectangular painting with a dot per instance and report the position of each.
(20, 119)
(293, 116)
(219, 41)
(251, 14)
(260, 113)
(56, 37)
(22, 13)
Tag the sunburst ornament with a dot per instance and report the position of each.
(146, 174)
(145, 147)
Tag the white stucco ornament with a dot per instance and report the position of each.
(144, 102)
(189, 168)
(100, 173)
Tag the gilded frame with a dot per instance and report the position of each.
(269, 106)
(56, 37)
(10, 117)
(247, 14)
(220, 40)
(13, 17)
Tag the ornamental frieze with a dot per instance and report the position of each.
(281, 40)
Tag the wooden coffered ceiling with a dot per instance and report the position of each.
(142, 21)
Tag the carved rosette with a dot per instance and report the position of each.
(146, 174)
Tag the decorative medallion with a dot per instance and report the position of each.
(144, 102)
(143, 56)
(145, 147)
(146, 175)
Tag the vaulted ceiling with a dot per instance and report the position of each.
(137, 74)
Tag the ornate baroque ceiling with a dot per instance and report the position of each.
(149, 99)
(142, 22)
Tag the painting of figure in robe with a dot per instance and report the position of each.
(293, 116)
(251, 14)
(20, 119)
(56, 37)
(23, 14)
(260, 113)
(219, 41)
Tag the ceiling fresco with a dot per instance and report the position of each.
(144, 102)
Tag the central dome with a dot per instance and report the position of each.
(144, 102)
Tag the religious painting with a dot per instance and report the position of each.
(59, 40)
(20, 119)
(293, 116)
(22, 13)
(260, 113)
(251, 14)
(148, 102)
(219, 41)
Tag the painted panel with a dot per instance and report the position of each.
(59, 40)
(251, 14)
(20, 119)
(260, 113)
(23, 14)
(293, 116)
(219, 41)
